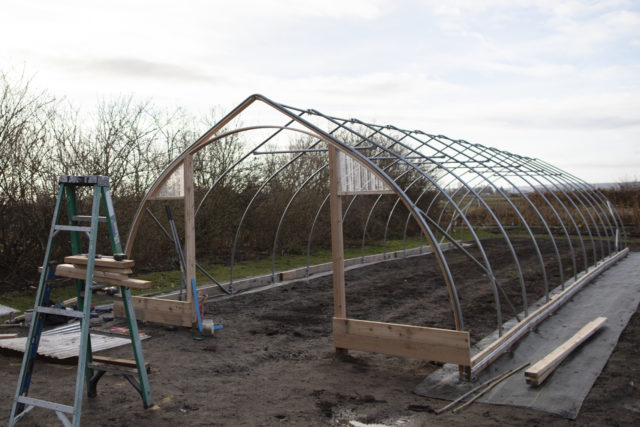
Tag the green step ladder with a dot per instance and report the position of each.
(87, 371)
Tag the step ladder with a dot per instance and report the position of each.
(88, 371)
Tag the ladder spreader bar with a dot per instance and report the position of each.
(58, 407)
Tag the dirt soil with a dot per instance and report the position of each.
(274, 363)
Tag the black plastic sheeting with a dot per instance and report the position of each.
(615, 294)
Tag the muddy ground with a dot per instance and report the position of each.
(274, 364)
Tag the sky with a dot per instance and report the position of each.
(557, 80)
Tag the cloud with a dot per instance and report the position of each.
(137, 68)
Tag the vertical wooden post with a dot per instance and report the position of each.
(337, 245)
(189, 229)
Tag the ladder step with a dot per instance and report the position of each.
(61, 312)
(87, 218)
(58, 407)
(101, 181)
(72, 228)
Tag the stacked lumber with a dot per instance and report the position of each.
(545, 366)
(106, 270)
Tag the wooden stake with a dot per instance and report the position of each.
(189, 227)
(337, 245)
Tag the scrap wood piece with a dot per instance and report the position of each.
(545, 366)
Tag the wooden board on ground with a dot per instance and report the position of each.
(545, 366)
(167, 312)
(417, 342)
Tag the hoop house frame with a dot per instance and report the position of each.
(442, 184)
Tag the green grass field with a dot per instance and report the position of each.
(165, 281)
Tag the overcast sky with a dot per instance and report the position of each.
(558, 80)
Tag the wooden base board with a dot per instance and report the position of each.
(416, 342)
(167, 312)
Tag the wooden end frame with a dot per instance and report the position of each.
(213, 134)
(432, 344)
(170, 312)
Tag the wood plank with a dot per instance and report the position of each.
(105, 261)
(125, 271)
(189, 229)
(417, 342)
(545, 366)
(120, 362)
(73, 272)
(8, 336)
(484, 358)
(337, 244)
(167, 312)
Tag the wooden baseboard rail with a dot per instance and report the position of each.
(416, 342)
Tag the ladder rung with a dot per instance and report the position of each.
(72, 228)
(58, 407)
(60, 312)
(87, 218)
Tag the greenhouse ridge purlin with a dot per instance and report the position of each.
(448, 187)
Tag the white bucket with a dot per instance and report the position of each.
(207, 327)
